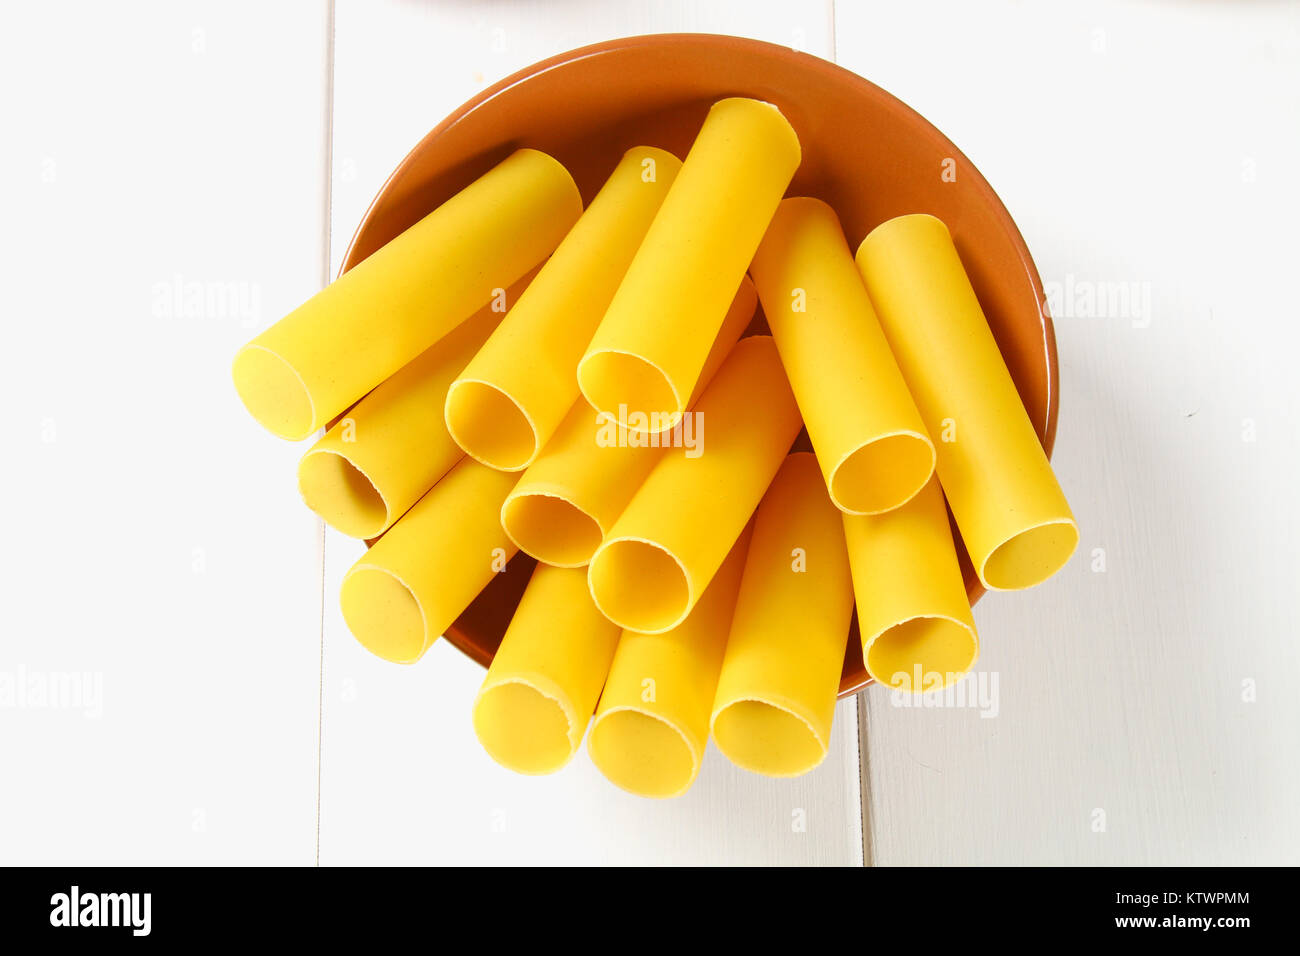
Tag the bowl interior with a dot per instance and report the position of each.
(864, 152)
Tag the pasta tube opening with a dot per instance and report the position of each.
(927, 652)
(639, 586)
(612, 380)
(642, 753)
(551, 528)
(342, 494)
(274, 393)
(384, 614)
(1030, 557)
(767, 738)
(880, 475)
(523, 728)
(490, 425)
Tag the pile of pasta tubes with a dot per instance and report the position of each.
(594, 387)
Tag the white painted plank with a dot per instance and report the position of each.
(155, 546)
(1155, 144)
(400, 68)
(404, 780)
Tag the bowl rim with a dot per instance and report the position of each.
(832, 72)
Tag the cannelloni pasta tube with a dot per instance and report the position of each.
(739, 314)
(872, 446)
(381, 314)
(545, 679)
(917, 630)
(1010, 511)
(508, 402)
(570, 496)
(781, 672)
(405, 591)
(652, 724)
(567, 499)
(650, 347)
(664, 549)
(391, 447)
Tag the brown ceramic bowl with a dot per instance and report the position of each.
(864, 152)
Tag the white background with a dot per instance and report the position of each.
(157, 558)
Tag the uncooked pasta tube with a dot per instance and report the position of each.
(391, 447)
(653, 720)
(652, 343)
(379, 315)
(505, 406)
(569, 497)
(781, 673)
(675, 532)
(872, 447)
(739, 314)
(405, 591)
(1011, 513)
(539, 693)
(915, 620)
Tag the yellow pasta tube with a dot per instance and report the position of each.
(652, 724)
(511, 398)
(417, 579)
(869, 438)
(781, 673)
(567, 499)
(393, 445)
(739, 314)
(1010, 511)
(545, 680)
(668, 543)
(570, 496)
(379, 315)
(650, 347)
(917, 629)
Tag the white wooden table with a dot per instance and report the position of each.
(176, 683)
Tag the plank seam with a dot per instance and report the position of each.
(325, 278)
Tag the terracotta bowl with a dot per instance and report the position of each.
(864, 152)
